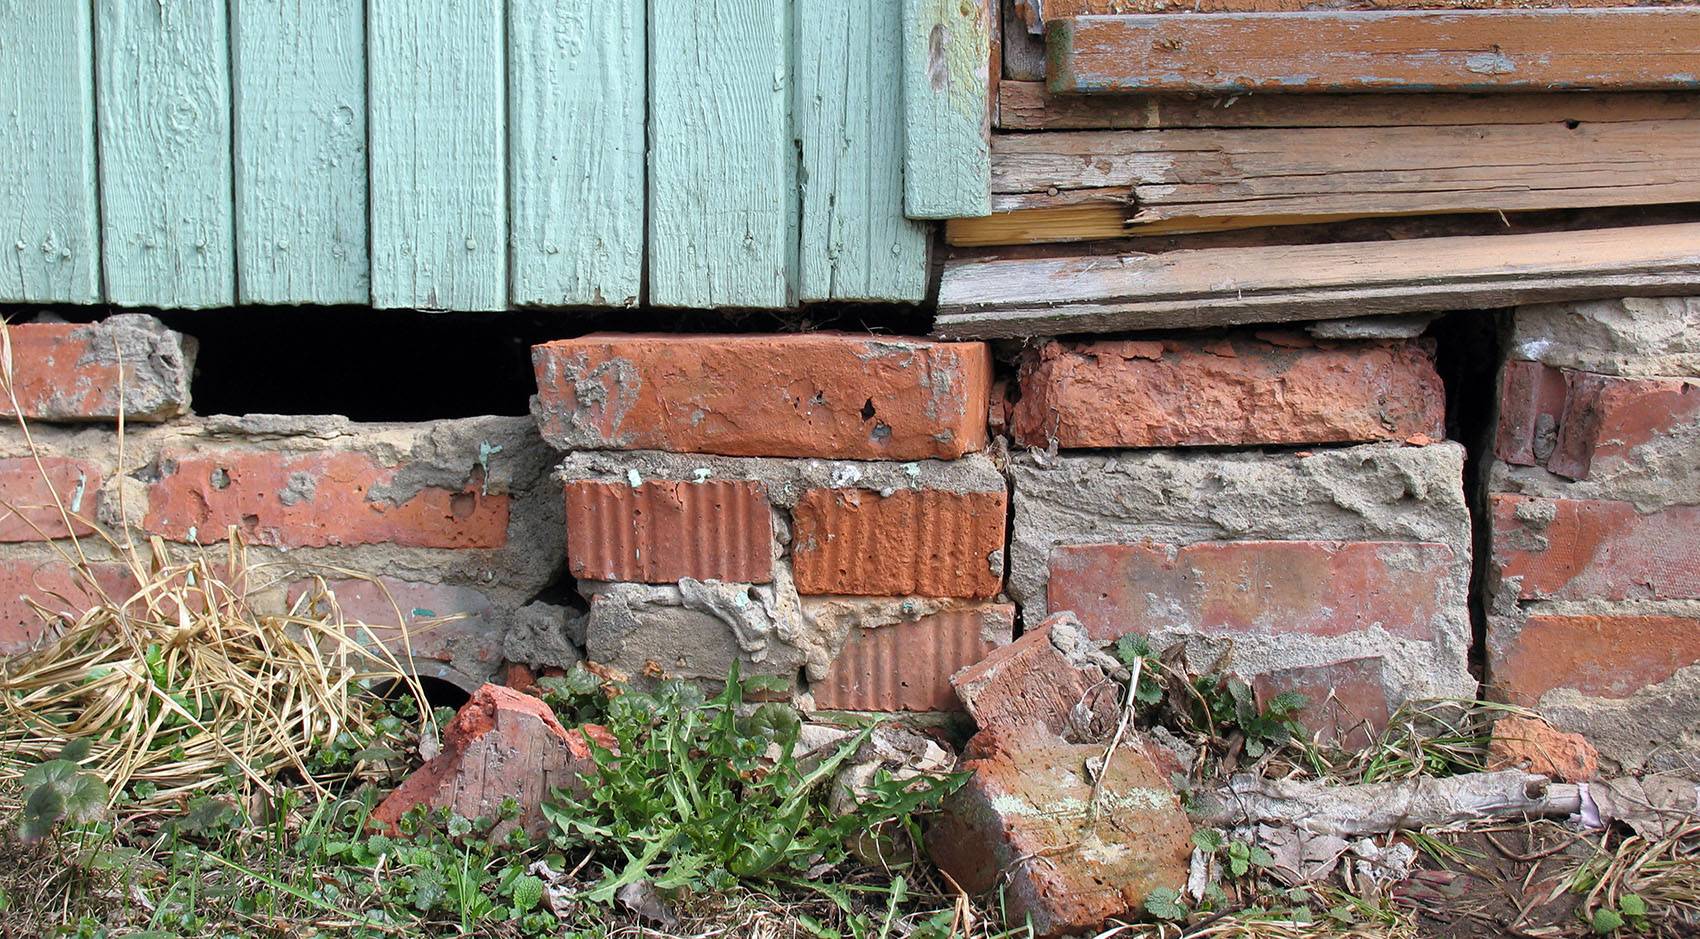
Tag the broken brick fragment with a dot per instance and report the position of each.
(501, 744)
(1534, 746)
(1033, 682)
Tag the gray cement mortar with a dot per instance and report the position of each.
(1399, 326)
(787, 480)
(1635, 336)
(506, 451)
(1655, 730)
(157, 364)
(1376, 492)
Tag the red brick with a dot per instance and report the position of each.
(27, 508)
(1601, 656)
(84, 372)
(1606, 419)
(662, 530)
(54, 586)
(1531, 403)
(1534, 746)
(502, 744)
(1345, 702)
(442, 621)
(1022, 823)
(826, 395)
(1596, 549)
(1126, 393)
(1028, 683)
(313, 500)
(907, 666)
(927, 542)
(1318, 588)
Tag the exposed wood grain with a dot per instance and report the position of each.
(946, 119)
(1466, 50)
(49, 229)
(162, 77)
(575, 151)
(1221, 286)
(1077, 185)
(1030, 106)
(438, 184)
(856, 243)
(722, 168)
(1023, 52)
(299, 81)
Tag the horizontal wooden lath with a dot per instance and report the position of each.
(1461, 50)
(1225, 286)
(1030, 106)
(1085, 184)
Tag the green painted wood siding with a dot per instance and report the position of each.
(456, 154)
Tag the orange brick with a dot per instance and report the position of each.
(827, 395)
(385, 604)
(907, 666)
(1603, 656)
(87, 372)
(54, 586)
(1572, 549)
(1176, 392)
(1345, 702)
(27, 508)
(1268, 588)
(663, 530)
(927, 542)
(314, 500)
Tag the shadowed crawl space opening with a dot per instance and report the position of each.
(407, 365)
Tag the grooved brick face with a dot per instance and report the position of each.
(663, 530)
(1572, 549)
(815, 395)
(315, 500)
(27, 509)
(54, 586)
(1266, 588)
(1134, 393)
(925, 542)
(907, 666)
(1600, 656)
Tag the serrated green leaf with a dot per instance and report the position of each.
(1165, 903)
(1606, 920)
(1632, 905)
(528, 892)
(1207, 839)
(1132, 647)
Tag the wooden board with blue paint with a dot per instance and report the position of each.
(946, 115)
(722, 166)
(48, 223)
(437, 154)
(576, 152)
(1382, 50)
(856, 243)
(162, 78)
(299, 85)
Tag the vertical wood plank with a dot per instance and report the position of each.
(723, 209)
(575, 151)
(49, 242)
(946, 162)
(856, 243)
(162, 76)
(438, 171)
(299, 81)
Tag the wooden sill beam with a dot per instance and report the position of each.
(1620, 48)
(1016, 298)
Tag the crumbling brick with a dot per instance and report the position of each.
(1345, 702)
(1604, 656)
(1569, 549)
(1032, 682)
(906, 666)
(56, 587)
(128, 364)
(28, 510)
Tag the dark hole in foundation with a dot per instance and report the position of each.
(439, 692)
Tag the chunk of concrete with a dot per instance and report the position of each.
(1631, 336)
(1074, 853)
(502, 744)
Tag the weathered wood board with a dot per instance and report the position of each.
(946, 115)
(856, 243)
(1201, 180)
(722, 167)
(49, 227)
(575, 151)
(437, 154)
(299, 81)
(162, 78)
(1224, 286)
(1026, 106)
(1463, 50)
